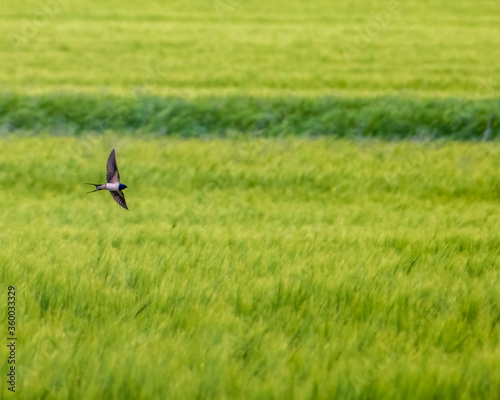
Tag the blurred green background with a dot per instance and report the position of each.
(368, 68)
(215, 47)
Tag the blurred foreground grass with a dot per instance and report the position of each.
(253, 268)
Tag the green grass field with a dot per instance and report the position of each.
(215, 47)
(312, 215)
(283, 268)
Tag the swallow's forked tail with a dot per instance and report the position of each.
(96, 187)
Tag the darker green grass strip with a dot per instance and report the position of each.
(382, 117)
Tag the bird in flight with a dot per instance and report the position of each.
(112, 184)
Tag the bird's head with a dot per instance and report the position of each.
(122, 186)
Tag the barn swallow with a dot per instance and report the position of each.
(112, 184)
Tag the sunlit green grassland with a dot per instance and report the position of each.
(215, 47)
(284, 268)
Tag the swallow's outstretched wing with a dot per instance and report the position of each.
(112, 174)
(119, 197)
